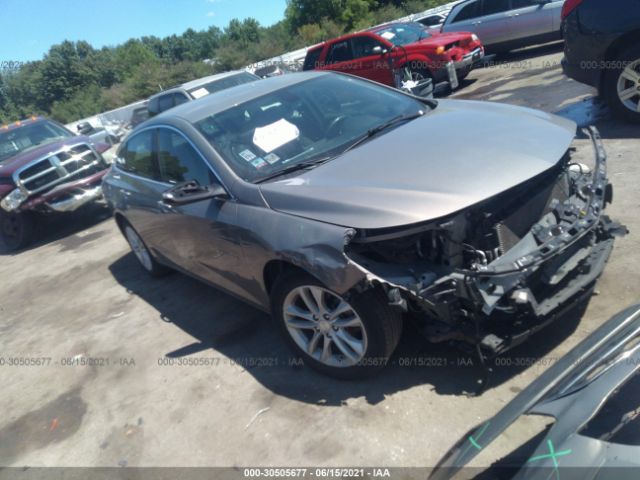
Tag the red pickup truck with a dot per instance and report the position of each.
(384, 54)
(44, 168)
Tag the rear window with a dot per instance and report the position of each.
(312, 59)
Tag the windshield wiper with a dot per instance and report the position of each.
(372, 132)
(295, 168)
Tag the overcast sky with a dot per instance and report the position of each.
(29, 27)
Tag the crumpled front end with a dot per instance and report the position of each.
(499, 271)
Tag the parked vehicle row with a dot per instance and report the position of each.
(196, 89)
(396, 53)
(324, 199)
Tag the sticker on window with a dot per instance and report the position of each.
(248, 155)
(276, 135)
(201, 92)
(259, 163)
(272, 158)
(388, 35)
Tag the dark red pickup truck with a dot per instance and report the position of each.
(44, 168)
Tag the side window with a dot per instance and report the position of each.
(491, 7)
(311, 60)
(468, 12)
(363, 46)
(340, 52)
(136, 156)
(165, 102)
(179, 98)
(178, 160)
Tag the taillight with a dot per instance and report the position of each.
(569, 6)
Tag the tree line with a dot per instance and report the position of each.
(75, 80)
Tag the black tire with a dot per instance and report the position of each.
(382, 323)
(16, 229)
(152, 267)
(613, 76)
(464, 73)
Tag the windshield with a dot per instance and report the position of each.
(222, 84)
(403, 33)
(308, 121)
(28, 137)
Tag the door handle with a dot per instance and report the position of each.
(126, 193)
(477, 23)
(165, 207)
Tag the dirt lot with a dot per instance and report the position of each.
(166, 383)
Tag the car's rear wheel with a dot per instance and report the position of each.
(16, 229)
(142, 253)
(345, 338)
(622, 85)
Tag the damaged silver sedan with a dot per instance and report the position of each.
(344, 207)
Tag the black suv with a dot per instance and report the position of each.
(602, 49)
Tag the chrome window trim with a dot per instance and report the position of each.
(200, 154)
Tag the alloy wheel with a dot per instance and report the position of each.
(139, 248)
(325, 326)
(629, 86)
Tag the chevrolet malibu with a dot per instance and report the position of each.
(343, 207)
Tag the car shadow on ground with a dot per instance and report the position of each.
(63, 227)
(222, 325)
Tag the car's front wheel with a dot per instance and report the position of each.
(622, 85)
(16, 229)
(345, 338)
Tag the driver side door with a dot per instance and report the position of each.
(204, 238)
(369, 64)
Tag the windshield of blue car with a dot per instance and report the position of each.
(403, 33)
(308, 121)
(27, 137)
(222, 84)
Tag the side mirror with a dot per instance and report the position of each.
(378, 50)
(190, 192)
(84, 128)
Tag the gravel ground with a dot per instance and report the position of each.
(143, 372)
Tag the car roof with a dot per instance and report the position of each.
(223, 100)
(198, 82)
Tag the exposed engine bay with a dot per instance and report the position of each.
(502, 269)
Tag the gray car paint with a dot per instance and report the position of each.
(258, 239)
(394, 180)
(516, 27)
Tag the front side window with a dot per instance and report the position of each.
(403, 33)
(312, 120)
(179, 162)
(29, 136)
(468, 12)
(136, 156)
(363, 46)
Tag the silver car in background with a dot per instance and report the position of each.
(504, 25)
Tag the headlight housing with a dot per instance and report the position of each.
(13, 201)
(474, 37)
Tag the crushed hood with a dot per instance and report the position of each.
(457, 155)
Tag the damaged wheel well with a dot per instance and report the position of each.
(274, 269)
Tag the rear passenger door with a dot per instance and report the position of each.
(204, 238)
(485, 18)
(530, 19)
(138, 190)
